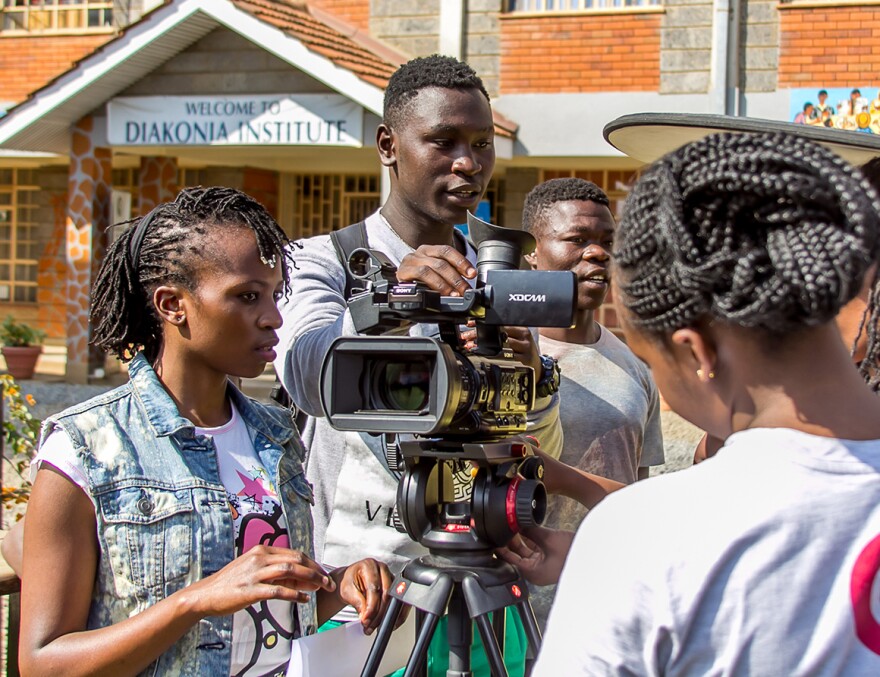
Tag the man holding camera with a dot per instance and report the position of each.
(436, 139)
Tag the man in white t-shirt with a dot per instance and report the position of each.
(609, 406)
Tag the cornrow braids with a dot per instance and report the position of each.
(869, 367)
(172, 241)
(765, 231)
(423, 72)
(543, 196)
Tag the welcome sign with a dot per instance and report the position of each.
(249, 120)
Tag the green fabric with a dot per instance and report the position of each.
(515, 646)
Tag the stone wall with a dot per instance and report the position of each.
(251, 70)
(686, 47)
(412, 26)
(759, 51)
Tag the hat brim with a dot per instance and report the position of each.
(649, 136)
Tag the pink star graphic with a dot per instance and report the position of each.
(252, 488)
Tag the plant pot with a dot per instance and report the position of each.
(21, 361)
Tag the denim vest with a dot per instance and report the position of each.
(163, 520)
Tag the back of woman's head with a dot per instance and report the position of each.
(168, 247)
(765, 231)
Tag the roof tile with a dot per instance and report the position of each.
(295, 19)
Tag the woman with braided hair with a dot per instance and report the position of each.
(169, 528)
(732, 259)
(858, 322)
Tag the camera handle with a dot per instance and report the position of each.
(468, 594)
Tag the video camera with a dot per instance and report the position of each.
(465, 405)
(434, 387)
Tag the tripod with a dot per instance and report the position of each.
(469, 588)
(461, 577)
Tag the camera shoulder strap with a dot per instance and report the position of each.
(345, 241)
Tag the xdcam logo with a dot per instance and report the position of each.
(530, 298)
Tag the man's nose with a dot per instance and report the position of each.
(466, 163)
(596, 252)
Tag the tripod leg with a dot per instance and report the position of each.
(418, 657)
(490, 643)
(499, 627)
(395, 606)
(530, 624)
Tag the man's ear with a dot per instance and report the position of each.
(386, 144)
(170, 304)
(695, 351)
(532, 259)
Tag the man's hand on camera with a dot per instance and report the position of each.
(539, 556)
(440, 267)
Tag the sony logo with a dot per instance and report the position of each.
(540, 298)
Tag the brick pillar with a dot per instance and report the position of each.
(88, 216)
(158, 182)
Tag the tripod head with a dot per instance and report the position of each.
(506, 494)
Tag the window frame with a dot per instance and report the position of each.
(539, 7)
(55, 17)
(21, 198)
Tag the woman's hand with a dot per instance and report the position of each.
(540, 556)
(365, 585)
(262, 573)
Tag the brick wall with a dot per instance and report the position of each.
(355, 12)
(28, 63)
(829, 45)
(580, 53)
(262, 185)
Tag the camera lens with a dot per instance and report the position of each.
(401, 385)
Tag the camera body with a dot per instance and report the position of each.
(465, 407)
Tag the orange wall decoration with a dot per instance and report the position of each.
(158, 182)
(88, 215)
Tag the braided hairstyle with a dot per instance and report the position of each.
(869, 367)
(543, 196)
(766, 231)
(166, 247)
(423, 72)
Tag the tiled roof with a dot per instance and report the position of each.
(343, 44)
(324, 37)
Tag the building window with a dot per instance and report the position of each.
(56, 16)
(19, 236)
(313, 204)
(579, 5)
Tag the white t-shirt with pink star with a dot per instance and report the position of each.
(261, 633)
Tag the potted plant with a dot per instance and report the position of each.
(22, 346)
